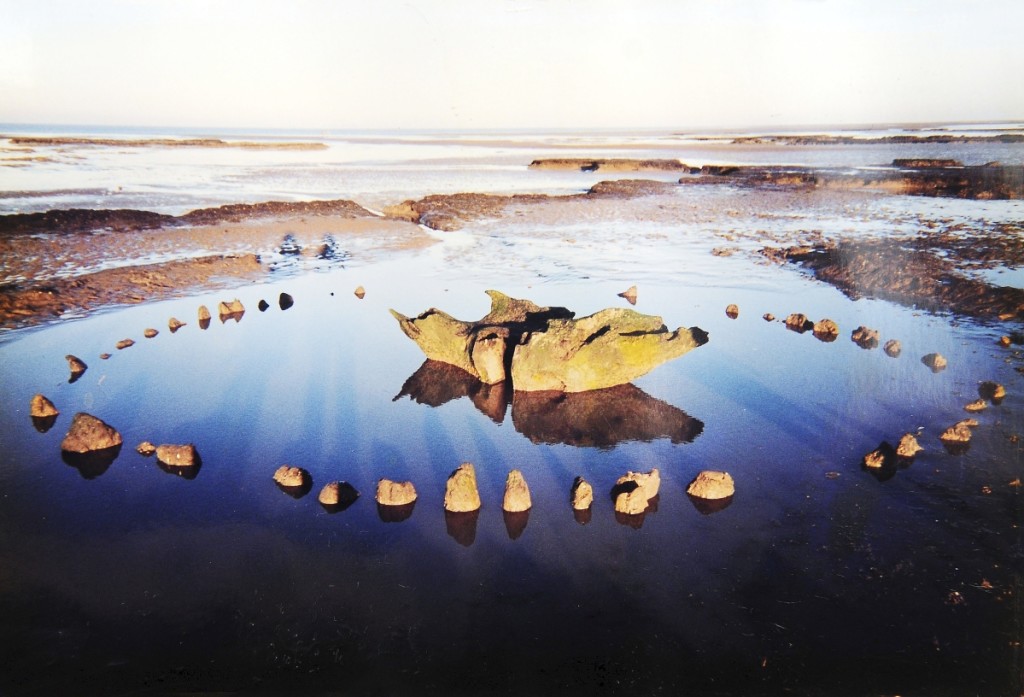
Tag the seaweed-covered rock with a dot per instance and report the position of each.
(461, 494)
(88, 433)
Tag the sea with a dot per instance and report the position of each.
(820, 576)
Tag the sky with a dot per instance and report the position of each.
(480, 64)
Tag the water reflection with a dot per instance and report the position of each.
(515, 523)
(297, 492)
(189, 473)
(635, 520)
(709, 506)
(462, 526)
(44, 423)
(93, 463)
(395, 514)
(596, 418)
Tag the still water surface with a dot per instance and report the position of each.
(818, 578)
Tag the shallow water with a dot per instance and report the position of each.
(818, 578)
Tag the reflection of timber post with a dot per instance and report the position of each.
(462, 526)
(596, 418)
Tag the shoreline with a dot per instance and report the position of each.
(66, 262)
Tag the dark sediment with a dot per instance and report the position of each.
(910, 273)
(909, 177)
(127, 220)
(609, 165)
(131, 285)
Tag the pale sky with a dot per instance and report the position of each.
(475, 64)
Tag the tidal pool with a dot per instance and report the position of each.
(819, 578)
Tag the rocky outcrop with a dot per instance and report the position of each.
(174, 324)
(543, 348)
(936, 361)
(893, 348)
(629, 295)
(145, 448)
(124, 343)
(976, 405)
(461, 494)
(929, 272)
(391, 493)
(88, 434)
(517, 493)
(203, 314)
(711, 484)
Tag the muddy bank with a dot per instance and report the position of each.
(45, 276)
(87, 220)
(449, 212)
(939, 138)
(925, 272)
(131, 285)
(60, 141)
(944, 178)
(608, 165)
